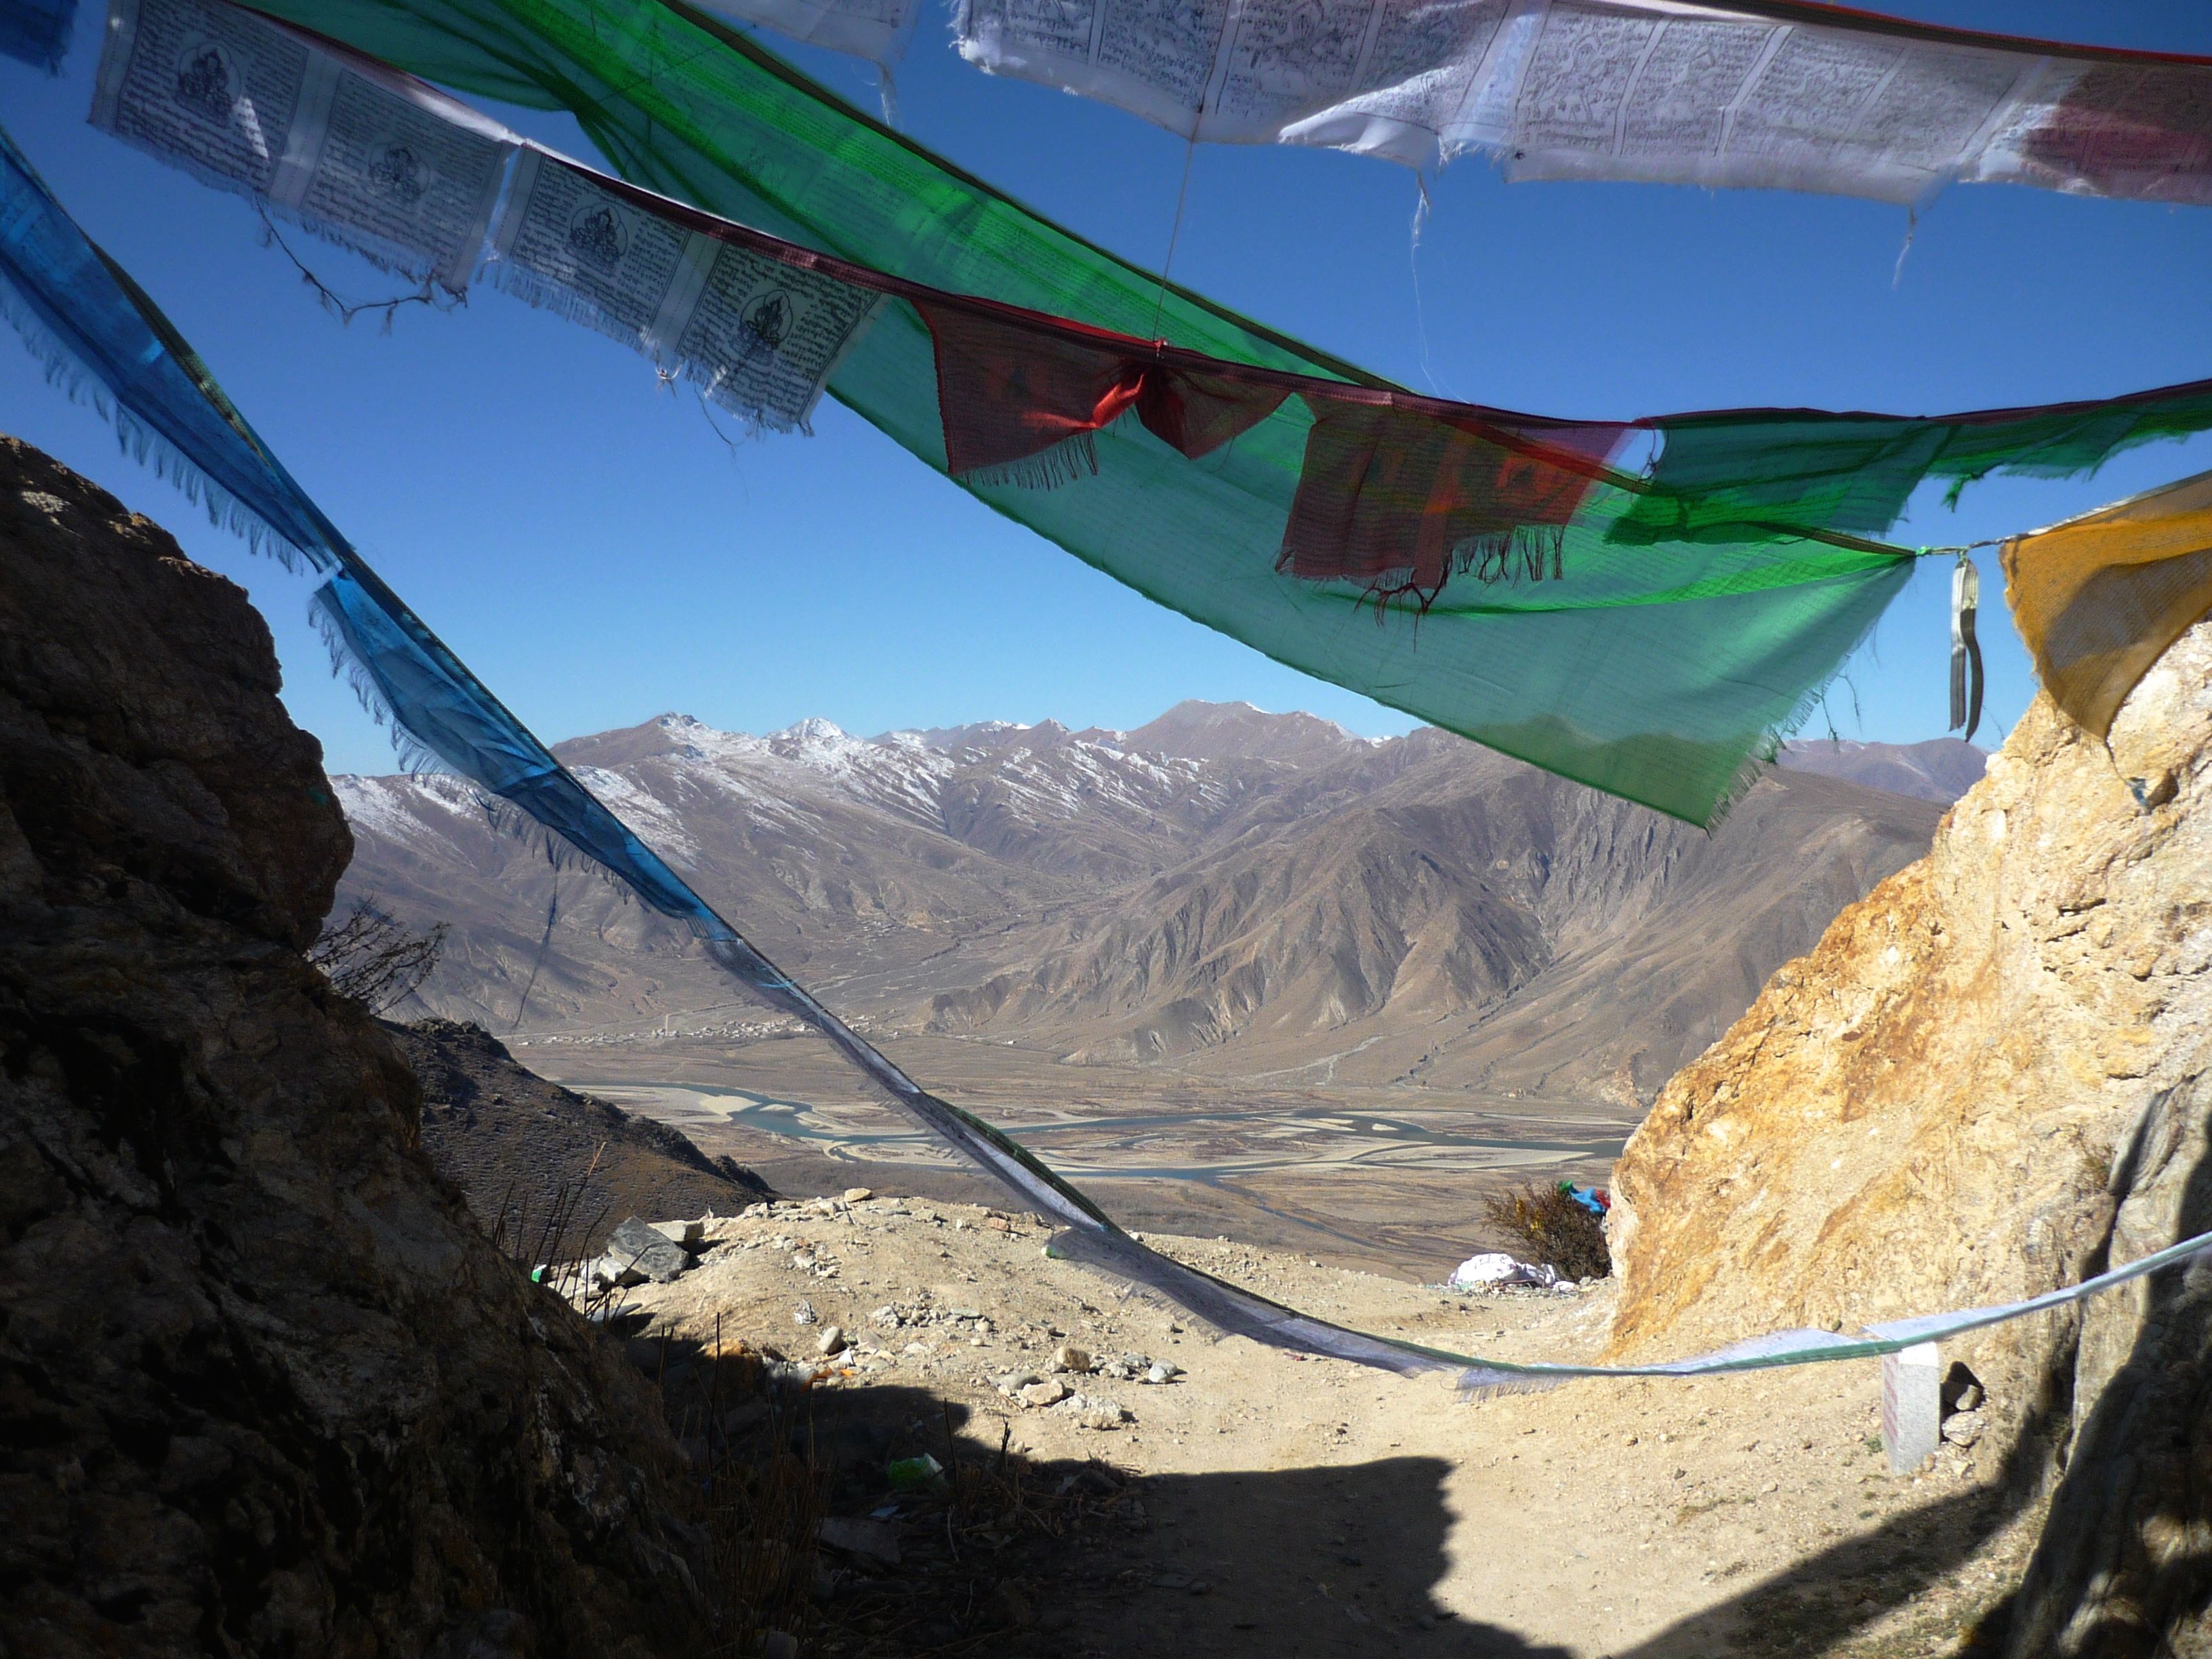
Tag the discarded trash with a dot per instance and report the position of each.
(914, 1473)
(1499, 1268)
(1595, 1200)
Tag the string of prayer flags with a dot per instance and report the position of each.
(1492, 573)
(91, 324)
(2099, 599)
(384, 164)
(99, 333)
(1777, 93)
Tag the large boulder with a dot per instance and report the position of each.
(264, 1387)
(1991, 1079)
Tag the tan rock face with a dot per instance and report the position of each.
(1987, 1080)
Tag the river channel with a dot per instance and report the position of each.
(1195, 1144)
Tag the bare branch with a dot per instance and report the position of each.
(372, 958)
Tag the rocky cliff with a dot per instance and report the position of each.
(540, 1163)
(264, 1387)
(1989, 1079)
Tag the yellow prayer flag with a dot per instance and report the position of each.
(2099, 599)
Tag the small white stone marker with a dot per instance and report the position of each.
(1912, 1406)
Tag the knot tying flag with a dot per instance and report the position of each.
(1965, 649)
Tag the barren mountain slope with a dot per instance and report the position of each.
(1939, 769)
(545, 1166)
(1467, 922)
(1224, 890)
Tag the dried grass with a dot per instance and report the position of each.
(769, 1480)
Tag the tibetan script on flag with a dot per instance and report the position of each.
(1629, 89)
(390, 168)
(759, 336)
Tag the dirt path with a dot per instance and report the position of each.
(1292, 1506)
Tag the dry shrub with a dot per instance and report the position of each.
(550, 1246)
(373, 958)
(1547, 1226)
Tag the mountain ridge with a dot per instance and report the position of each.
(1222, 891)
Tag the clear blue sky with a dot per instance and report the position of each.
(599, 555)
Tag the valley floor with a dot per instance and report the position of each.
(1387, 1179)
(1286, 1506)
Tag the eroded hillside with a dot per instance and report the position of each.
(1225, 893)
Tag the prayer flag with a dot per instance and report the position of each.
(2099, 599)
(1488, 571)
(99, 333)
(1772, 93)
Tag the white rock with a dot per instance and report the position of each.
(832, 1340)
(1095, 1414)
(1963, 1429)
(1047, 1392)
(859, 1195)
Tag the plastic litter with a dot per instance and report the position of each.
(1481, 1272)
(914, 1473)
(1595, 1200)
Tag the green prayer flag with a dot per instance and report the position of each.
(1624, 634)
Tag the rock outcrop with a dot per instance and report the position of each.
(1989, 1079)
(265, 1387)
(528, 1152)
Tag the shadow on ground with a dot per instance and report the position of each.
(1002, 1555)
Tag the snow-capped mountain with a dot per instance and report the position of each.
(1224, 889)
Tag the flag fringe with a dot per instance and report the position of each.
(1756, 764)
(392, 258)
(418, 760)
(66, 372)
(1484, 1384)
(1074, 457)
(1528, 552)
